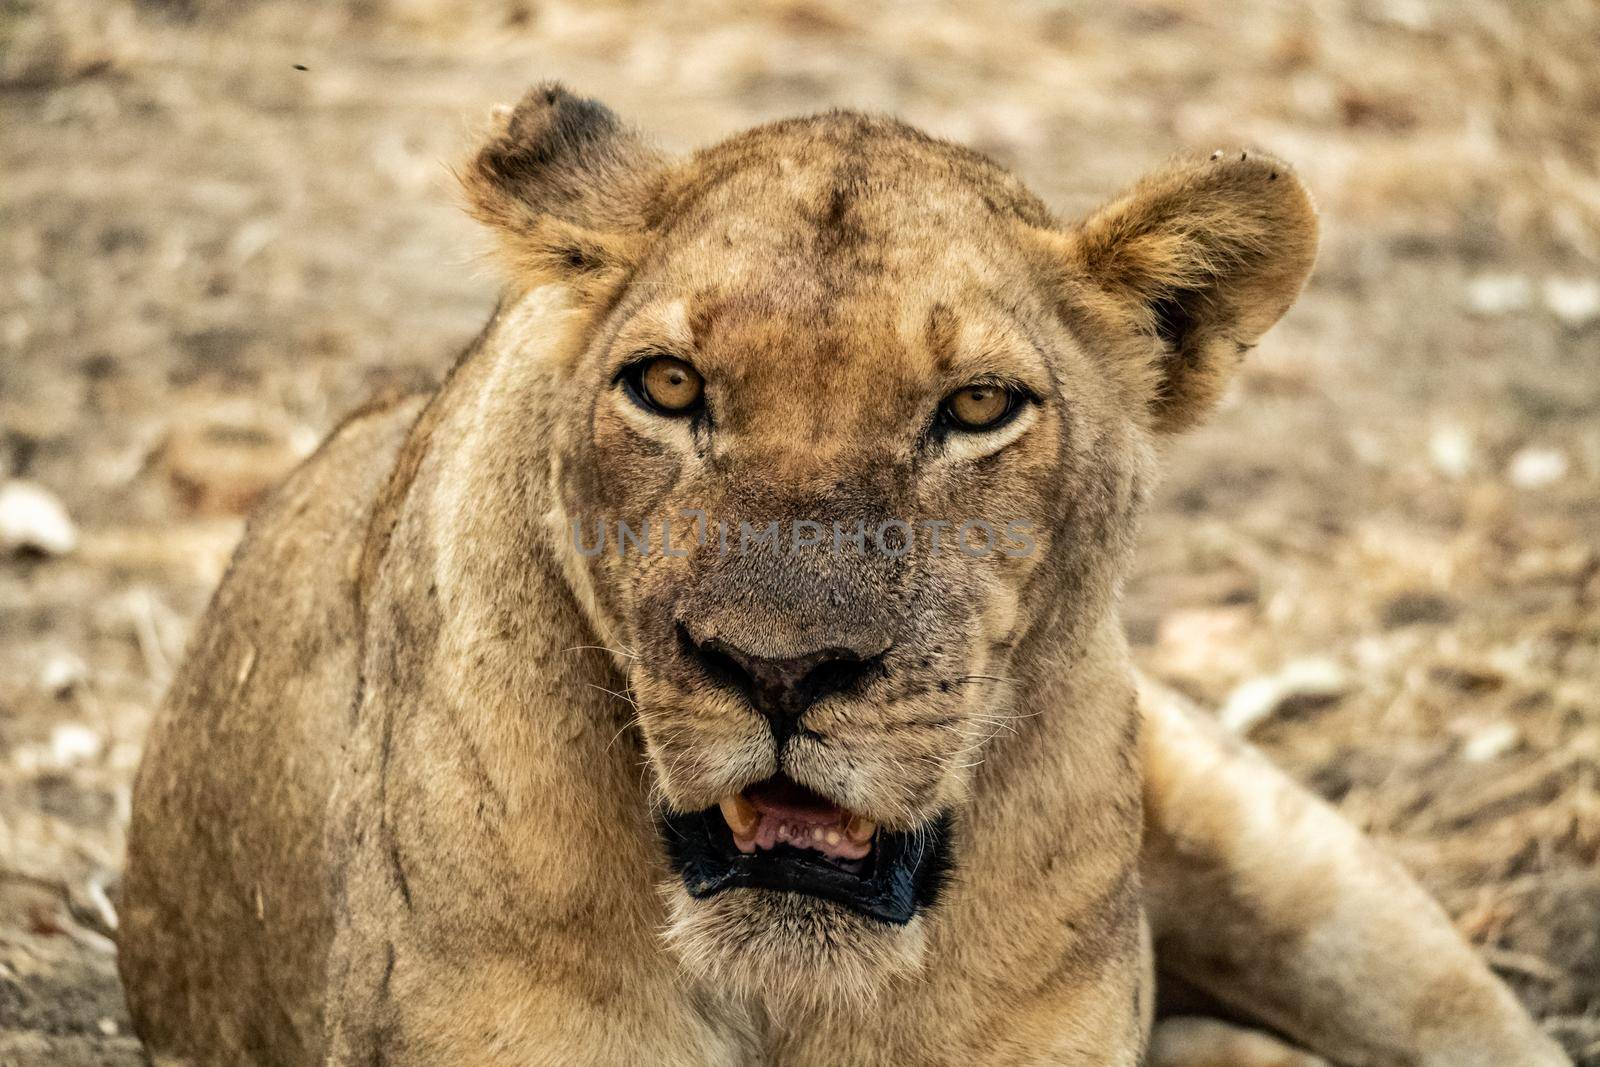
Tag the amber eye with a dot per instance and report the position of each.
(666, 385)
(982, 406)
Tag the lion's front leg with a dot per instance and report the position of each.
(1264, 898)
(1189, 1041)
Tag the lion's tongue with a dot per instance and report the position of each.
(779, 811)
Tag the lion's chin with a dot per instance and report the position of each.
(796, 954)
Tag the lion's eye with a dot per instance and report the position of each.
(666, 385)
(983, 406)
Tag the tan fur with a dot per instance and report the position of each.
(1200, 1042)
(400, 805)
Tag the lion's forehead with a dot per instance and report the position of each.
(842, 171)
(804, 261)
(838, 204)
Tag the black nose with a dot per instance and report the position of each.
(782, 689)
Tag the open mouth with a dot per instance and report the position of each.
(779, 835)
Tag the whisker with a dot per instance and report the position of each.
(602, 648)
(632, 721)
(620, 696)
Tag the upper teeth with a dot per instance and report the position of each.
(752, 830)
(740, 815)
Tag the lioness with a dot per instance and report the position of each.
(450, 779)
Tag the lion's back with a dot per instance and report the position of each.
(227, 900)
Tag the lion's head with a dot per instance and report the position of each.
(853, 434)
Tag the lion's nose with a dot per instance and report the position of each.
(782, 689)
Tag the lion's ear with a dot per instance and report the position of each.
(1201, 258)
(563, 184)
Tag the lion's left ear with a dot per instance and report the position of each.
(1199, 259)
(564, 185)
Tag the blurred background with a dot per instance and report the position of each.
(223, 224)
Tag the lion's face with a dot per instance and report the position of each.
(848, 439)
(824, 446)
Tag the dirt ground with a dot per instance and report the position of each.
(223, 224)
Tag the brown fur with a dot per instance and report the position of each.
(421, 829)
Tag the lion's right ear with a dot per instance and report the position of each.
(563, 184)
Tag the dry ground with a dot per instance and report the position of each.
(1382, 559)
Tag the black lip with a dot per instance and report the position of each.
(903, 873)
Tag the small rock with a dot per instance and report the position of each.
(1412, 14)
(1499, 294)
(1573, 301)
(1306, 683)
(1537, 467)
(33, 520)
(62, 673)
(1491, 742)
(73, 743)
(1452, 452)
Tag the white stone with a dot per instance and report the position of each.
(1452, 451)
(73, 743)
(32, 518)
(1537, 467)
(1574, 301)
(1491, 742)
(62, 672)
(1412, 14)
(1499, 294)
